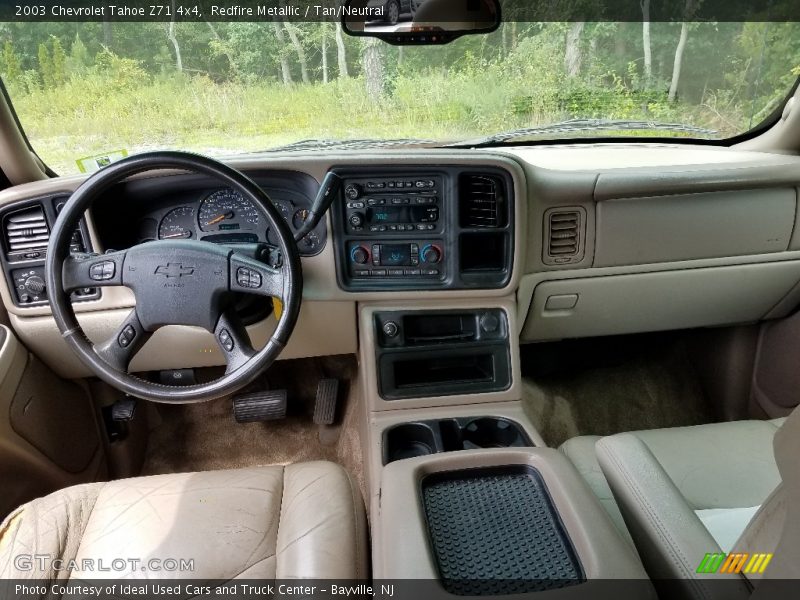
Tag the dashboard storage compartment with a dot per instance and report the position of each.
(495, 531)
(439, 353)
(421, 438)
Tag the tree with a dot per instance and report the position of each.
(45, 66)
(573, 55)
(11, 68)
(174, 40)
(285, 70)
(298, 48)
(324, 49)
(341, 53)
(59, 62)
(373, 69)
(691, 6)
(648, 53)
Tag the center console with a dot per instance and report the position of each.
(428, 228)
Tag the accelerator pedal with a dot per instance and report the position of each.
(259, 406)
(325, 403)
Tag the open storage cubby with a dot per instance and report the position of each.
(495, 531)
(421, 438)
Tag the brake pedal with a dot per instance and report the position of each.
(325, 403)
(259, 406)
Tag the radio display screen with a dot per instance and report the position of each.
(389, 214)
(395, 255)
(383, 215)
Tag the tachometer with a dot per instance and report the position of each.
(177, 224)
(226, 210)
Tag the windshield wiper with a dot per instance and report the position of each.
(576, 125)
(355, 144)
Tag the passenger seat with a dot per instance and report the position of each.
(683, 491)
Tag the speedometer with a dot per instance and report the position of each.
(227, 210)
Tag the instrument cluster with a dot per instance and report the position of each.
(224, 215)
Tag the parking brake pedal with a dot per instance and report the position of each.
(259, 406)
(325, 404)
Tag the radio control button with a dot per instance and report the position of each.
(352, 191)
(361, 272)
(378, 272)
(412, 272)
(356, 220)
(430, 272)
(396, 272)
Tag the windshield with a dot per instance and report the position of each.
(95, 91)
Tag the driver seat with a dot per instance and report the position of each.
(303, 520)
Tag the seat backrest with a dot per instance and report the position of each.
(775, 529)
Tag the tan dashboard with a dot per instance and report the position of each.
(605, 239)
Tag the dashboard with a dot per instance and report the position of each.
(588, 240)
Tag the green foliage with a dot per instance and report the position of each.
(82, 88)
(59, 62)
(11, 66)
(46, 66)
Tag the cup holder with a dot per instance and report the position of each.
(490, 432)
(409, 440)
(430, 437)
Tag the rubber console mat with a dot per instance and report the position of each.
(494, 531)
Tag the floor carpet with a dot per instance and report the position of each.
(601, 387)
(202, 437)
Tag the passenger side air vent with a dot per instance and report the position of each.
(26, 233)
(564, 236)
(482, 201)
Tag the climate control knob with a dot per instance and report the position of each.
(431, 254)
(34, 284)
(352, 191)
(359, 255)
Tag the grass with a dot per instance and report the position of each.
(96, 113)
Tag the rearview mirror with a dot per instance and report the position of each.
(420, 21)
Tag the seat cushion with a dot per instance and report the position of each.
(299, 521)
(667, 480)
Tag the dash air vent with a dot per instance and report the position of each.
(26, 231)
(482, 201)
(564, 236)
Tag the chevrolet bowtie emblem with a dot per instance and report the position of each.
(174, 270)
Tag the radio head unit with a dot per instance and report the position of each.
(380, 205)
(423, 227)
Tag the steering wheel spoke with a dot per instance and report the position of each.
(254, 277)
(233, 340)
(92, 270)
(119, 350)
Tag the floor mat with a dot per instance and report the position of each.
(202, 437)
(601, 387)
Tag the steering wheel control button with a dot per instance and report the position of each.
(103, 271)
(248, 278)
(126, 336)
(226, 340)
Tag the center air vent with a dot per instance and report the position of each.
(482, 201)
(564, 236)
(26, 232)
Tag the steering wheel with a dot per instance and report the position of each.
(175, 282)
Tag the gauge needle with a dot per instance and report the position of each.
(222, 217)
(182, 234)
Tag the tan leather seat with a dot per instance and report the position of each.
(688, 491)
(299, 521)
